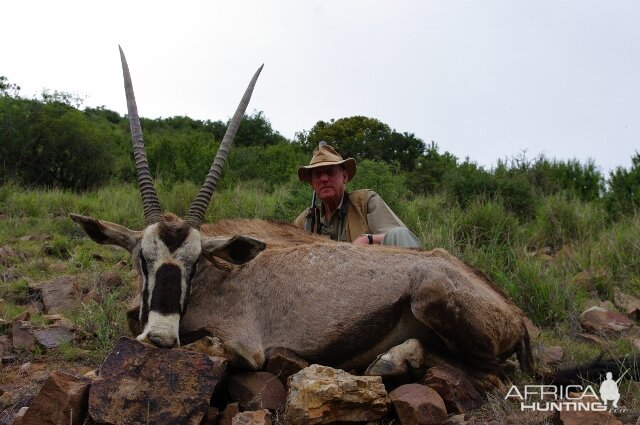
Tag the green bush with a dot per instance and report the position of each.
(485, 223)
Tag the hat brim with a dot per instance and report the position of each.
(349, 164)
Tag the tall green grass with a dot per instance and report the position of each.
(484, 233)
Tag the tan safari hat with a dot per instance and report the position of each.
(323, 156)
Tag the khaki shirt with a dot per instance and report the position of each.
(380, 218)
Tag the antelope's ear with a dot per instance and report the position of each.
(106, 233)
(236, 250)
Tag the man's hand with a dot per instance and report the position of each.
(364, 239)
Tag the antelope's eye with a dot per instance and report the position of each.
(143, 265)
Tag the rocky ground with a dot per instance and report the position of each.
(65, 359)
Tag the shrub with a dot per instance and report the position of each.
(485, 223)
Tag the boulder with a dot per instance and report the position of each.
(629, 304)
(283, 363)
(572, 417)
(603, 321)
(256, 390)
(140, 384)
(260, 417)
(323, 395)
(229, 413)
(53, 336)
(212, 417)
(417, 404)
(457, 392)
(10, 256)
(61, 400)
(550, 356)
(60, 294)
(22, 337)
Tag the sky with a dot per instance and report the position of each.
(487, 80)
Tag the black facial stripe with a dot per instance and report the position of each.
(167, 290)
(192, 273)
(144, 305)
(143, 266)
(173, 237)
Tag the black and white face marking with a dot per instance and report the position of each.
(168, 256)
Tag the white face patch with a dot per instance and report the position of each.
(169, 259)
(161, 330)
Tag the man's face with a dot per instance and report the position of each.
(328, 182)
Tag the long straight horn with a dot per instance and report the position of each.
(150, 203)
(195, 216)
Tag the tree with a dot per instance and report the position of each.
(254, 130)
(363, 138)
(623, 196)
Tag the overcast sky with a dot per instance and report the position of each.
(483, 79)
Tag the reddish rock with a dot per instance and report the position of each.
(600, 320)
(256, 390)
(60, 294)
(629, 304)
(592, 339)
(170, 386)
(457, 392)
(550, 356)
(229, 413)
(61, 400)
(585, 418)
(22, 337)
(417, 404)
(283, 363)
(260, 417)
(212, 417)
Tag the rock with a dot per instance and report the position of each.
(589, 279)
(171, 386)
(455, 420)
(36, 237)
(5, 345)
(209, 345)
(532, 329)
(256, 390)
(321, 395)
(592, 339)
(53, 336)
(60, 294)
(109, 280)
(550, 356)
(61, 400)
(457, 392)
(629, 304)
(229, 413)
(602, 321)
(24, 369)
(22, 337)
(212, 416)
(283, 363)
(260, 417)
(585, 418)
(417, 404)
(10, 256)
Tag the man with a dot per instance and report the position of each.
(361, 216)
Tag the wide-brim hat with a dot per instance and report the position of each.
(324, 156)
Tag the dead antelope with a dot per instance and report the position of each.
(377, 308)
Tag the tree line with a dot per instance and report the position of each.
(49, 141)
